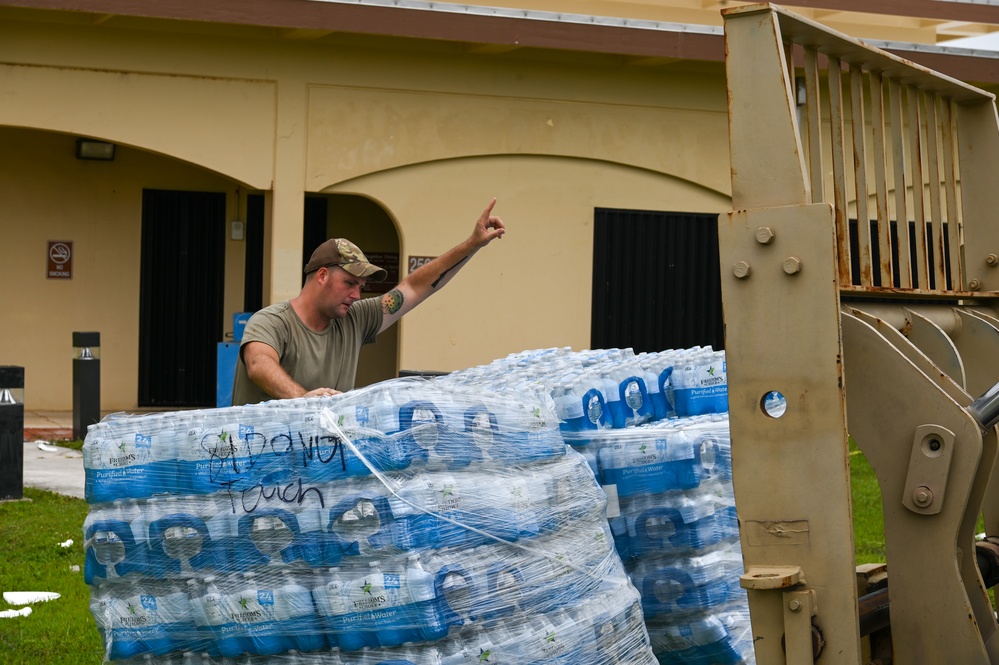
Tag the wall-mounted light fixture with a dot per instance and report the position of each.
(100, 150)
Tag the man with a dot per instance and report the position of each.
(309, 345)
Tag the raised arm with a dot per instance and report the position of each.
(431, 277)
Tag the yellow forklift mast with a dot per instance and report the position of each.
(860, 278)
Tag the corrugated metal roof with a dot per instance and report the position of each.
(639, 24)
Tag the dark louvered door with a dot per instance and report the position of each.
(314, 230)
(253, 274)
(656, 283)
(181, 290)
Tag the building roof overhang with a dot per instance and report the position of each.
(498, 29)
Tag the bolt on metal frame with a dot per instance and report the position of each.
(881, 329)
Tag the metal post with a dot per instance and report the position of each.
(11, 432)
(86, 381)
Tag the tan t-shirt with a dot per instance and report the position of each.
(313, 359)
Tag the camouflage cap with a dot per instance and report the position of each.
(347, 255)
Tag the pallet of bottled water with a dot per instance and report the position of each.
(412, 522)
(653, 428)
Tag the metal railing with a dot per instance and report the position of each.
(879, 138)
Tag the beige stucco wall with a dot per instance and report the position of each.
(48, 194)
(429, 134)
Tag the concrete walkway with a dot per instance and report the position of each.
(49, 467)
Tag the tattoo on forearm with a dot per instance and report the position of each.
(392, 301)
(441, 276)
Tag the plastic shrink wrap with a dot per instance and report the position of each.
(411, 522)
(653, 428)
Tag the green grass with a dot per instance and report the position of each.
(868, 519)
(31, 559)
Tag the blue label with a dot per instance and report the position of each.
(265, 597)
(245, 431)
(143, 441)
(361, 415)
(148, 603)
(392, 581)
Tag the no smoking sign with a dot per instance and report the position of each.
(60, 259)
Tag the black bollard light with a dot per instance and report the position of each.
(86, 381)
(11, 432)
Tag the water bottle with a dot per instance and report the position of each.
(384, 604)
(111, 549)
(176, 536)
(324, 456)
(455, 590)
(381, 450)
(220, 550)
(582, 406)
(504, 591)
(330, 596)
(713, 450)
(529, 427)
(249, 431)
(256, 612)
(296, 614)
(167, 433)
(367, 595)
(481, 431)
(634, 393)
(234, 465)
(656, 398)
(427, 513)
(683, 457)
(426, 611)
(475, 647)
(203, 639)
(195, 458)
(215, 608)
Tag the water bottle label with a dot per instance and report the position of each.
(123, 454)
(214, 607)
(251, 606)
(362, 415)
(373, 592)
(641, 454)
(331, 599)
(443, 496)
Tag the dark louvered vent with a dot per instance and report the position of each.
(253, 276)
(314, 232)
(656, 283)
(180, 296)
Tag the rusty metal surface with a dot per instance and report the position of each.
(931, 611)
(788, 261)
(783, 334)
